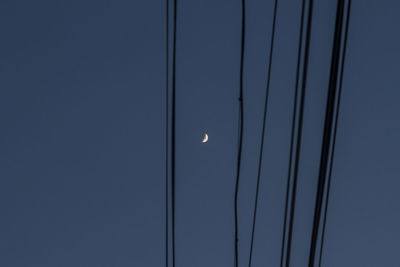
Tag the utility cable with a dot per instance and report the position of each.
(167, 133)
(288, 246)
(173, 130)
(331, 121)
(263, 133)
(240, 125)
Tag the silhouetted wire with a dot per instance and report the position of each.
(335, 129)
(166, 132)
(173, 126)
(263, 132)
(300, 124)
(329, 123)
(292, 134)
(240, 125)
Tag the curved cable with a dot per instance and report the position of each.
(240, 125)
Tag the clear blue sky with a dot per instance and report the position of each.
(82, 140)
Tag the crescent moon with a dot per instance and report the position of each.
(205, 139)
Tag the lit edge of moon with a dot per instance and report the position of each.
(205, 138)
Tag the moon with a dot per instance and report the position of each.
(205, 138)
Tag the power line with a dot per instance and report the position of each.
(263, 132)
(331, 121)
(334, 135)
(336, 123)
(299, 129)
(167, 134)
(173, 126)
(292, 136)
(240, 125)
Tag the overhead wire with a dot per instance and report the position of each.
(335, 131)
(167, 133)
(263, 132)
(240, 126)
(173, 133)
(330, 126)
(292, 138)
(286, 247)
(240, 137)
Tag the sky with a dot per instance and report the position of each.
(82, 144)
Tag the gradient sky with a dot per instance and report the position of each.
(82, 142)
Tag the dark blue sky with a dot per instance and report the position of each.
(82, 95)
(82, 140)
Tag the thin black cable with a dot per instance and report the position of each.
(239, 154)
(166, 132)
(173, 126)
(300, 129)
(263, 132)
(300, 45)
(328, 125)
(335, 129)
